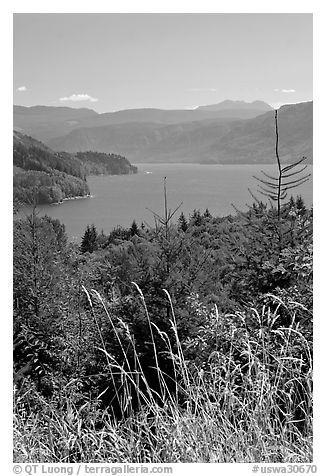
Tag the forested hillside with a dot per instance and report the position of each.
(44, 176)
(96, 163)
(189, 341)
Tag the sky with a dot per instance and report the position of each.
(110, 62)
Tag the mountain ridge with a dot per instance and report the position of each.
(210, 141)
(231, 104)
(47, 122)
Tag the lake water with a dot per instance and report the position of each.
(117, 200)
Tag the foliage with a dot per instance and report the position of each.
(41, 187)
(29, 154)
(237, 401)
(89, 241)
(99, 163)
(276, 188)
(223, 357)
(174, 343)
(182, 222)
(42, 176)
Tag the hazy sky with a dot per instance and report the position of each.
(108, 62)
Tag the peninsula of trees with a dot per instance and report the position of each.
(42, 176)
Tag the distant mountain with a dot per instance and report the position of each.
(46, 122)
(53, 113)
(142, 142)
(210, 141)
(237, 105)
(253, 141)
(173, 116)
(44, 176)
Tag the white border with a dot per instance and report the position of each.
(168, 6)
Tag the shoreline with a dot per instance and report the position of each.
(67, 199)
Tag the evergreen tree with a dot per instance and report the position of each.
(134, 230)
(301, 207)
(196, 218)
(89, 241)
(102, 239)
(182, 222)
(291, 203)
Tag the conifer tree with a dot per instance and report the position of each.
(300, 205)
(134, 230)
(276, 188)
(182, 222)
(196, 218)
(89, 241)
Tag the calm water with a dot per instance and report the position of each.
(117, 200)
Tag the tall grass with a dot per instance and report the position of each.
(238, 406)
